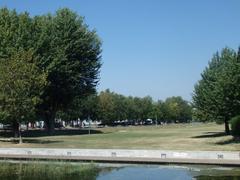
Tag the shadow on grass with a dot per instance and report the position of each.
(58, 132)
(211, 135)
(230, 141)
(31, 141)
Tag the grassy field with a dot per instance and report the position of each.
(167, 137)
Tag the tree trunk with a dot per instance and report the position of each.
(27, 126)
(227, 130)
(20, 135)
(49, 121)
(15, 129)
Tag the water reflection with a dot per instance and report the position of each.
(146, 172)
(79, 171)
(154, 172)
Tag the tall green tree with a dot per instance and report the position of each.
(72, 64)
(146, 107)
(217, 95)
(157, 112)
(106, 107)
(21, 85)
(64, 47)
(120, 107)
(177, 109)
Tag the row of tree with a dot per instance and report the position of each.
(217, 95)
(50, 65)
(46, 63)
(49, 68)
(109, 107)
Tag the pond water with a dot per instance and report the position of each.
(102, 171)
(158, 172)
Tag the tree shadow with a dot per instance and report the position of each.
(6, 134)
(57, 132)
(39, 141)
(30, 141)
(229, 141)
(211, 132)
(211, 135)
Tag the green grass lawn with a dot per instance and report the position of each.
(167, 137)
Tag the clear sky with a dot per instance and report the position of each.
(152, 47)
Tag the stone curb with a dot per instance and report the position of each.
(124, 155)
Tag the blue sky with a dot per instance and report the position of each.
(152, 47)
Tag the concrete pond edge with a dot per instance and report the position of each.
(125, 155)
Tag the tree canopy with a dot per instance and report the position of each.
(21, 85)
(64, 47)
(217, 95)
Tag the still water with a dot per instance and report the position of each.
(163, 172)
(38, 170)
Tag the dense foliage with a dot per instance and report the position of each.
(63, 47)
(217, 95)
(21, 85)
(111, 107)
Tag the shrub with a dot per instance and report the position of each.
(235, 126)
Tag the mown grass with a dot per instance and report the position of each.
(198, 136)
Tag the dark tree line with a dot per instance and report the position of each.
(109, 107)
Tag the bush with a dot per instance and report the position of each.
(235, 126)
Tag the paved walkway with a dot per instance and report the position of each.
(125, 156)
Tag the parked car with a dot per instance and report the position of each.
(148, 122)
(7, 127)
